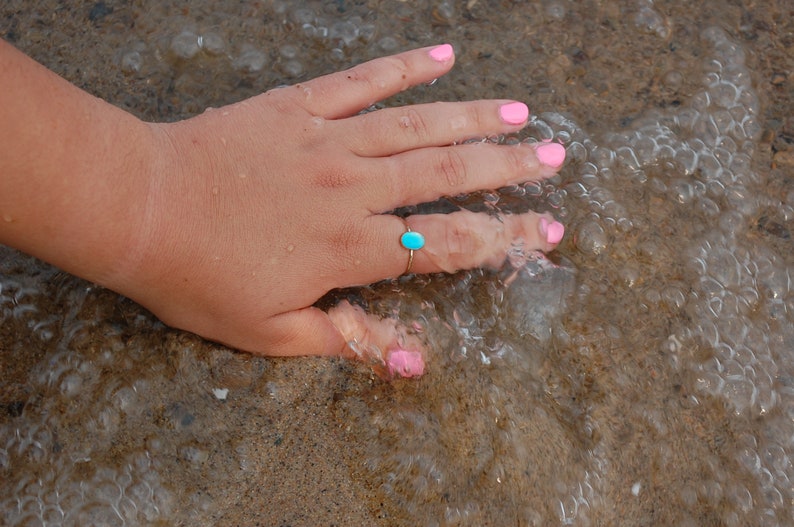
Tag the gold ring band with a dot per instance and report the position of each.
(410, 252)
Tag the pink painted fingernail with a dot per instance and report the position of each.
(514, 113)
(406, 363)
(442, 53)
(550, 154)
(553, 231)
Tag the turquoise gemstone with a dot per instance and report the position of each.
(412, 240)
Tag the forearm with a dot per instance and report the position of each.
(74, 171)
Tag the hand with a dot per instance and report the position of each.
(257, 209)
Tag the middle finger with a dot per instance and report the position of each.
(427, 174)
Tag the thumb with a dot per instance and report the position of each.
(306, 331)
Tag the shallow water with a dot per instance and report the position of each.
(642, 375)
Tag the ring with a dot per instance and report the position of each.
(413, 241)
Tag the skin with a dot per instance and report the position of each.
(231, 224)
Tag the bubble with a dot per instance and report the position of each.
(250, 60)
(185, 44)
(288, 51)
(366, 31)
(700, 103)
(673, 80)
(538, 130)
(706, 128)
(555, 11)
(650, 21)
(724, 94)
(626, 157)
(591, 238)
(212, 42)
(344, 31)
(709, 208)
(673, 297)
(292, 68)
(741, 200)
(131, 62)
(682, 191)
(645, 149)
(751, 128)
(687, 159)
(302, 15)
(71, 385)
(748, 103)
(388, 44)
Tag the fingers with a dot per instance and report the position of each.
(427, 174)
(344, 93)
(394, 130)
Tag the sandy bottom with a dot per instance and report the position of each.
(643, 375)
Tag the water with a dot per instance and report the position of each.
(642, 375)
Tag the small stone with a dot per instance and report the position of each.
(100, 10)
(778, 78)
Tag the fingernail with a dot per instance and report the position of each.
(514, 113)
(550, 154)
(553, 231)
(406, 363)
(442, 53)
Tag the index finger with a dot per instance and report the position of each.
(347, 92)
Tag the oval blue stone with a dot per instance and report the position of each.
(412, 240)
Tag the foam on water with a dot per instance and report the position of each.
(724, 295)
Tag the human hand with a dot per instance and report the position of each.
(257, 209)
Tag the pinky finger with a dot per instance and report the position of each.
(382, 343)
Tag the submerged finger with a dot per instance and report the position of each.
(467, 240)
(394, 130)
(347, 92)
(450, 242)
(384, 344)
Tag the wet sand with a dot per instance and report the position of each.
(643, 377)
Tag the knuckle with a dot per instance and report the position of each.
(452, 169)
(346, 241)
(372, 73)
(399, 64)
(333, 179)
(460, 239)
(413, 122)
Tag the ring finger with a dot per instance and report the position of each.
(456, 241)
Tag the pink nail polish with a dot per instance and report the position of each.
(555, 232)
(442, 53)
(514, 113)
(552, 231)
(406, 363)
(550, 154)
